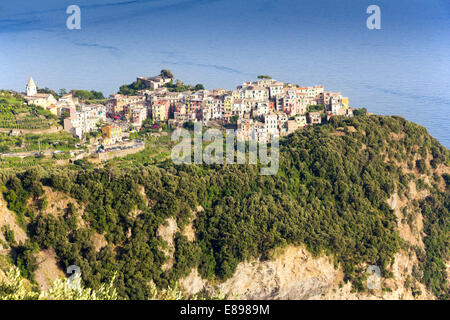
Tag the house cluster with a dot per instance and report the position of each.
(84, 119)
(258, 109)
(79, 118)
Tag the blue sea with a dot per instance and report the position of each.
(401, 69)
(404, 81)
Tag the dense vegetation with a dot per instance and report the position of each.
(360, 112)
(329, 194)
(435, 210)
(133, 88)
(14, 287)
(177, 86)
(50, 91)
(88, 95)
(85, 95)
(180, 86)
(315, 108)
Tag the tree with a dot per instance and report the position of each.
(188, 125)
(65, 114)
(82, 94)
(165, 73)
(47, 90)
(264, 77)
(88, 95)
(421, 166)
(4, 148)
(234, 119)
(97, 95)
(360, 112)
(199, 86)
(15, 288)
(133, 88)
(62, 92)
(314, 108)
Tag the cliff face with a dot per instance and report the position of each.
(292, 274)
(296, 275)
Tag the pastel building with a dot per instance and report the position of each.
(315, 117)
(111, 134)
(85, 120)
(160, 110)
(271, 122)
(301, 121)
(138, 116)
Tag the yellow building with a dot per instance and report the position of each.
(227, 104)
(53, 109)
(187, 102)
(43, 100)
(301, 121)
(111, 134)
(159, 111)
(345, 102)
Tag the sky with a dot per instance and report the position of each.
(402, 69)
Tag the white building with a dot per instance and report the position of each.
(256, 93)
(217, 109)
(238, 107)
(261, 109)
(31, 88)
(154, 82)
(301, 121)
(276, 90)
(85, 120)
(138, 116)
(271, 123)
(43, 100)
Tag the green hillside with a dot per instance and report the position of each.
(330, 194)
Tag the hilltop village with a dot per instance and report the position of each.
(82, 175)
(255, 109)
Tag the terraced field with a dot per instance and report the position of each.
(16, 114)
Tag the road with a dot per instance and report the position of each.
(34, 153)
(92, 150)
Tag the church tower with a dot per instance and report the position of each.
(31, 88)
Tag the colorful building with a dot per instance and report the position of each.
(160, 110)
(111, 134)
(345, 102)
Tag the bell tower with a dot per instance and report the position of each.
(31, 88)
